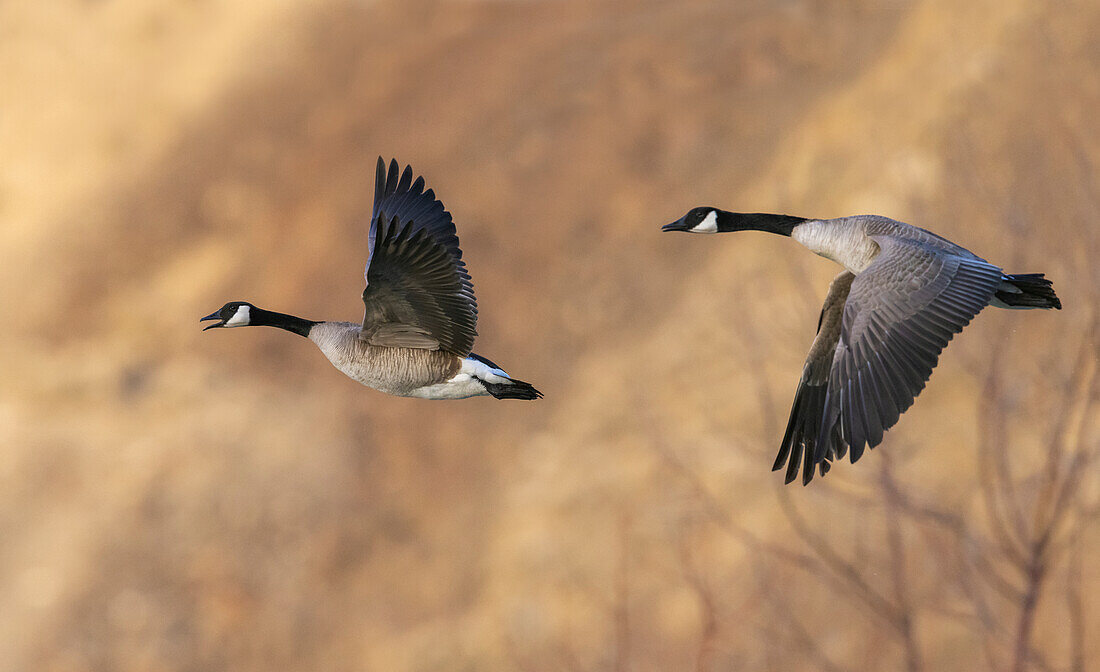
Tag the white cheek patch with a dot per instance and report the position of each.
(708, 225)
(239, 319)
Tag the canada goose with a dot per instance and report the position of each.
(902, 296)
(421, 314)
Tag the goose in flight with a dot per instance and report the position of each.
(421, 315)
(903, 294)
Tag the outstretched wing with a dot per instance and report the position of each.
(899, 315)
(418, 292)
(807, 411)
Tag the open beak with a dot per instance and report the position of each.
(678, 225)
(213, 316)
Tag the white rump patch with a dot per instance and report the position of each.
(240, 318)
(473, 367)
(708, 225)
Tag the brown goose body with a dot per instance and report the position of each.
(403, 372)
(420, 313)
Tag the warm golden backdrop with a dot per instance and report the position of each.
(172, 500)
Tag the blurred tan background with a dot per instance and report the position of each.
(172, 500)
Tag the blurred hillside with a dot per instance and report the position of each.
(172, 500)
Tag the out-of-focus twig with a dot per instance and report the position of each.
(906, 614)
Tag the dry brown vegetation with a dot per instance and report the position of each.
(171, 500)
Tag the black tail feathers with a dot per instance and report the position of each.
(513, 389)
(1028, 290)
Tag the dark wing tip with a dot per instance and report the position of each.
(379, 182)
(406, 179)
(781, 458)
(809, 441)
(386, 182)
(791, 475)
(391, 177)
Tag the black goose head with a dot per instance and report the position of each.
(697, 220)
(232, 314)
(712, 220)
(244, 314)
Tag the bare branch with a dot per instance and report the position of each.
(622, 596)
(838, 566)
(709, 629)
(905, 613)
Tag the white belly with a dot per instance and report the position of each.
(461, 386)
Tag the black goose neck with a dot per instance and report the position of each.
(269, 318)
(757, 221)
